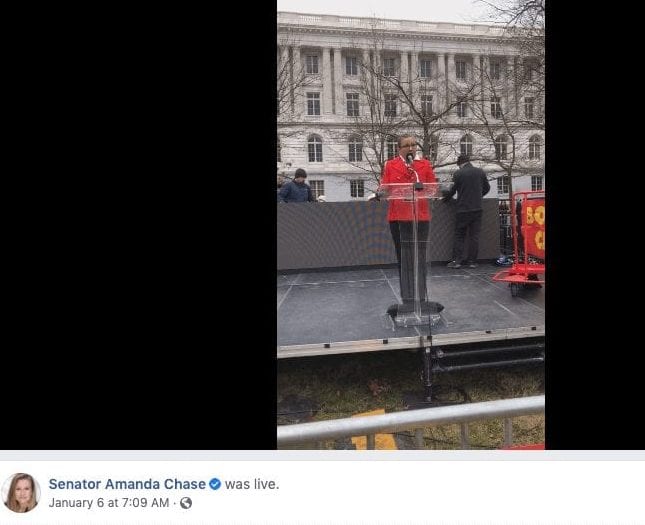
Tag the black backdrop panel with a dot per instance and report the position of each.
(336, 234)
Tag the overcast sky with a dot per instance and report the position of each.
(460, 11)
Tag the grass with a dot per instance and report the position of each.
(332, 387)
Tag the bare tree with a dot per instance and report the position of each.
(524, 21)
(291, 78)
(524, 26)
(394, 103)
(422, 111)
(507, 94)
(506, 137)
(375, 117)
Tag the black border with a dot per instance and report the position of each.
(145, 318)
(592, 373)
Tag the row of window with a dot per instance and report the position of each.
(501, 147)
(355, 148)
(503, 184)
(388, 67)
(357, 186)
(390, 106)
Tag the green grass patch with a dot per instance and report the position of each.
(333, 387)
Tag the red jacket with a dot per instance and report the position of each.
(396, 171)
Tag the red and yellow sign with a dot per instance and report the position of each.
(533, 221)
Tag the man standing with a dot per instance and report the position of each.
(470, 184)
(297, 190)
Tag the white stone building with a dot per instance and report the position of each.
(482, 92)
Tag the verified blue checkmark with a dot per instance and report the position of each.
(214, 483)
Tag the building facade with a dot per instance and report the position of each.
(347, 87)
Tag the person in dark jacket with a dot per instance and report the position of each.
(470, 184)
(297, 190)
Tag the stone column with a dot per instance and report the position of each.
(506, 78)
(405, 73)
(414, 77)
(414, 66)
(284, 77)
(366, 58)
(486, 85)
(377, 60)
(298, 73)
(477, 82)
(327, 82)
(452, 77)
(514, 95)
(369, 78)
(476, 69)
(441, 82)
(339, 108)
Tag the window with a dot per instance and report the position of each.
(500, 148)
(426, 104)
(536, 183)
(466, 145)
(311, 62)
(425, 68)
(314, 147)
(460, 66)
(352, 104)
(496, 108)
(528, 107)
(534, 147)
(390, 105)
(388, 67)
(529, 68)
(357, 188)
(313, 103)
(355, 149)
(392, 149)
(279, 151)
(495, 69)
(351, 66)
(462, 109)
(503, 184)
(317, 187)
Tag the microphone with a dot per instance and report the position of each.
(408, 162)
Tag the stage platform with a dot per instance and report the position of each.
(344, 311)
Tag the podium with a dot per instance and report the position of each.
(412, 199)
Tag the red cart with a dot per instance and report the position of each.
(527, 226)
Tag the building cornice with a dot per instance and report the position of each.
(397, 29)
(396, 36)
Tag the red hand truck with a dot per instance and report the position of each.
(527, 227)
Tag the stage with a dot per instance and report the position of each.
(343, 311)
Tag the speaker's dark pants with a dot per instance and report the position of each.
(402, 235)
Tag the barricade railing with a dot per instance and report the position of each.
(416, 420)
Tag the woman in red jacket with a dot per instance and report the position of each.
(405, 169)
